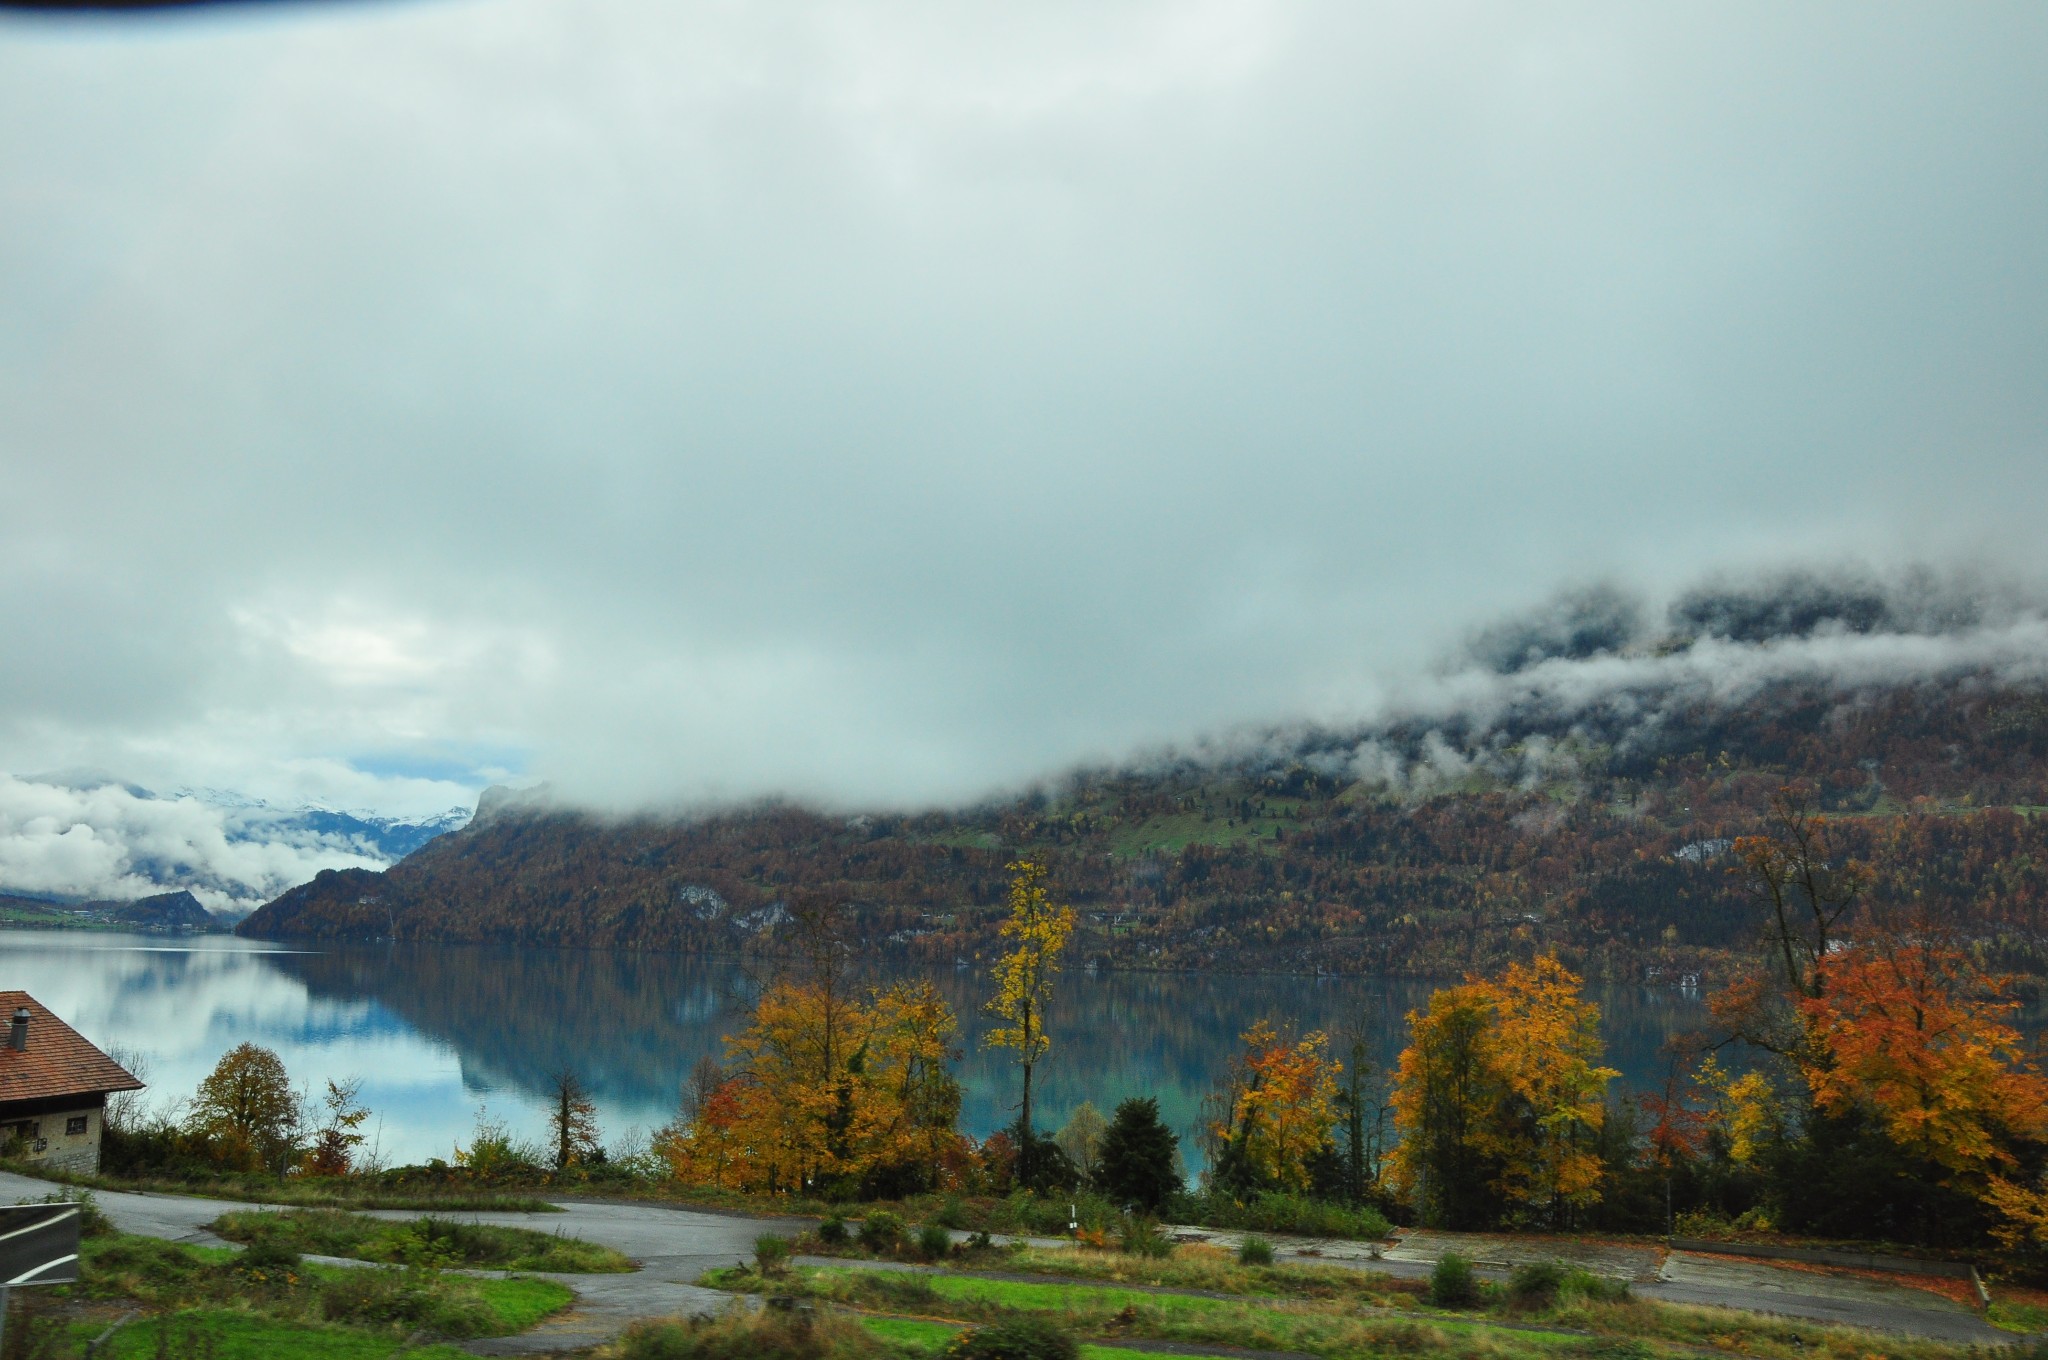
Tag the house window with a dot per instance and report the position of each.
(75, 1125)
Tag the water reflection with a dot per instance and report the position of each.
(435, 1030)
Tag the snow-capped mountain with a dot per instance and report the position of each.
(74, 836)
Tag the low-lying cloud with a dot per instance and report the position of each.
(885, 405)
(104, 840)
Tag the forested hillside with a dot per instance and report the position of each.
(1426, 846)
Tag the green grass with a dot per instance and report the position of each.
(423, 1241)
(243, 1336)
(2017, 1317)
(1175, 832)
(377, 1301)
(1344, 1324)
(931, 1337)
(519, 1303)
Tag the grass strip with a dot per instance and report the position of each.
(422, 1241)
(168, 1277)
(1624, 1329)
(931, 1338)
(224, 1334)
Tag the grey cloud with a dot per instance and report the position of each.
(881, 403)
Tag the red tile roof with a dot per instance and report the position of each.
(57, 1062)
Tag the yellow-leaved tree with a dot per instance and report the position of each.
(831, 1097)
(1038, 931)
(831, 1089)
(1499, 1098)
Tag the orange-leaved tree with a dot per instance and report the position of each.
(1914, 1036)
(1499, 1098)
(1278, 1111)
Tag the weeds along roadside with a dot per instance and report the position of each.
(170, 1298)
(1546, 1309)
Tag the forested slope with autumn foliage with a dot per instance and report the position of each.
(1426, 847)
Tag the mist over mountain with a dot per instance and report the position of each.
(75, 836)
(1571, 780)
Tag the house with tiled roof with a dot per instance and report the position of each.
(53, 1088)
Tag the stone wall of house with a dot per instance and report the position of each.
(66, 1139)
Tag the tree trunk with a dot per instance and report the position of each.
(1024, 1126)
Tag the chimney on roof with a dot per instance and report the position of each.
(17, 1033)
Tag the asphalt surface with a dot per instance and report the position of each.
(675, 1246)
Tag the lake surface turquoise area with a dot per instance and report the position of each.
(434, 1032)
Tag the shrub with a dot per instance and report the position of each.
(1255, 1251)
(1274, 1212)
(267, 1254)
(1140, 1236)
(771, 1253)
(832, 1232)
(742, 1334)
(1016, 1339)
(1591, 1288)
(407, 1299)
(881, 1231)
(952, 1213)
(1452, 1283)
(933, 1241)
(1535, 1284)
(91, 1221)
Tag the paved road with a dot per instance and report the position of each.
(675, 1246)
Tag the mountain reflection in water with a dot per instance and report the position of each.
(435, 1030)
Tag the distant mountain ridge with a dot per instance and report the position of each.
(171, 913)
(1597, 825)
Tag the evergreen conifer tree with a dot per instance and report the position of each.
(1134, 1162)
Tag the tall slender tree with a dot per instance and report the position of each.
(1039, 931)
(572, 1123)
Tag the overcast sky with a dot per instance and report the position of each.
(889, 402)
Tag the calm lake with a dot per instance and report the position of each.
(435, 1032)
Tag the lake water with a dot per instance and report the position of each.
(434, 1032)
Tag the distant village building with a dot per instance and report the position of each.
(53, 1088)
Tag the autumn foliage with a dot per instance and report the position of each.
(1498, 1098)
(828, 1095)
(1279, 1112)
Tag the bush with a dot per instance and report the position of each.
(742, 1334)
(265, 1255)
(1255, 1251)
(1535, 1284)
(933, 1241)
(408, 1300)
(832, 1232)
(1452, 1283)
(1140, 1236)
(771, 1253)
(91, 1221)
(952, 1213)
(881, 1231)
(1274, 1212)
(1017, 1339)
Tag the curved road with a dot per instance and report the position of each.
(675, 1246)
